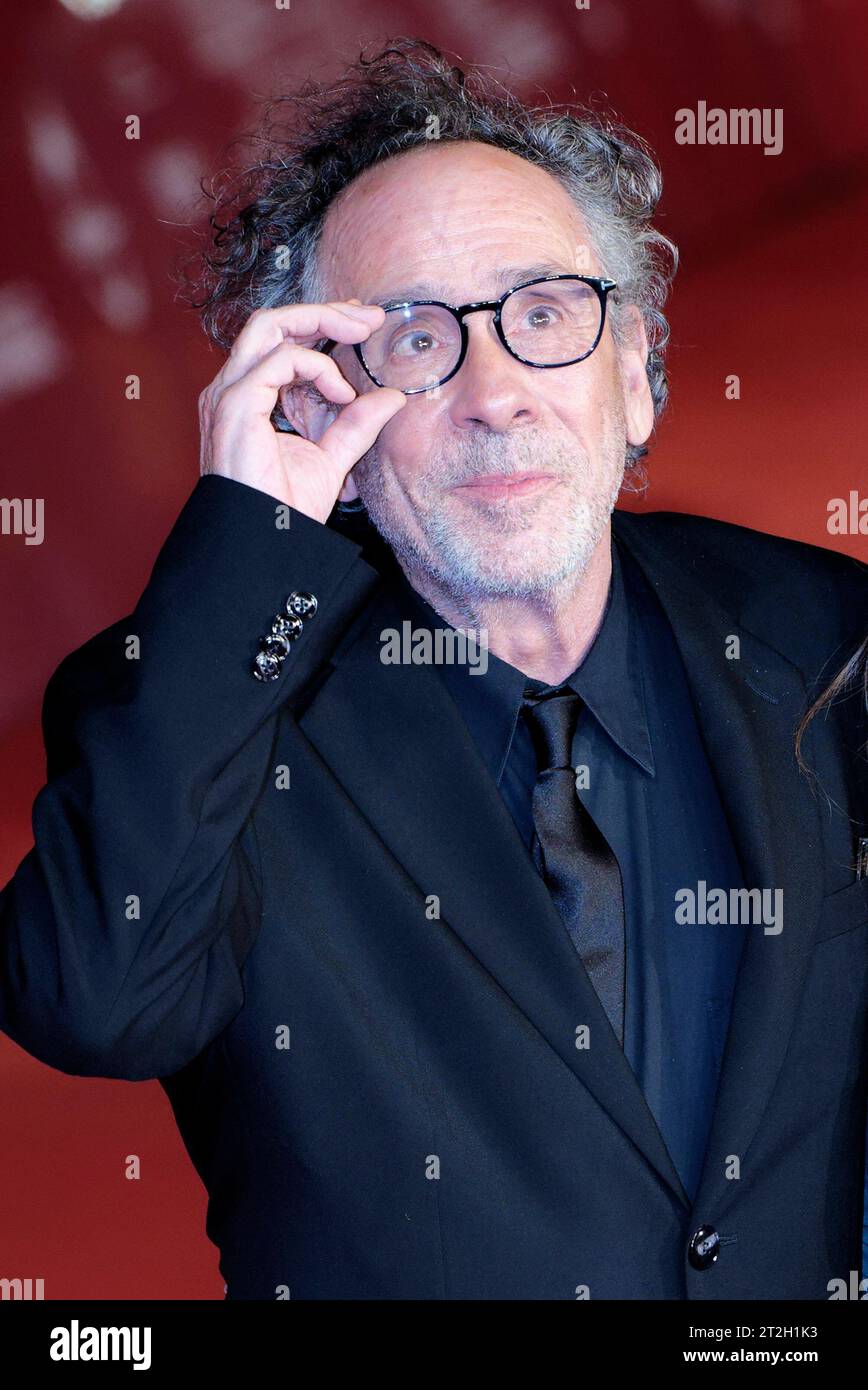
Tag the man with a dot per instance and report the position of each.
(539, 974)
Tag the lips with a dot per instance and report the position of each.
(513, 484)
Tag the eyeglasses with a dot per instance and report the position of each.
(554, 321)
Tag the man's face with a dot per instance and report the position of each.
(502, 481)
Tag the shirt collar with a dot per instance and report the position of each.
(609, 681)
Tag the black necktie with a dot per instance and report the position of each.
(569, 851)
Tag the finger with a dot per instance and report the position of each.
(285, 365)
(305, 324)
(355, 429)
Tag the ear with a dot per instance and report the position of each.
(633, 354)
(310, 415)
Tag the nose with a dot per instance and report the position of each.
(492, 388)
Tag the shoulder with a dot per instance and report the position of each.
(700, 541)
(800, 597)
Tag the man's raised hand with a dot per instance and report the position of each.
(275, 350)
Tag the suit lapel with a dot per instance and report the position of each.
(745, 710)
(394, 740)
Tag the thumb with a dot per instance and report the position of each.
(357, 426)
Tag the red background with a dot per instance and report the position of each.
(773, 288)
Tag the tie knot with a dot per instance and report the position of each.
(551, 715)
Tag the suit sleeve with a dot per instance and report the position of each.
(124, 931)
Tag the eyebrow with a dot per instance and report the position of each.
(504, 279)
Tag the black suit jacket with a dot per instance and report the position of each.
(356, 989)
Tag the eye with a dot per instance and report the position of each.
(415, 342)
(541, 316)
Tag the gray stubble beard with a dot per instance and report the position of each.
(445, 557)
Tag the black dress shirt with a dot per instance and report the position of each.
(651, 792)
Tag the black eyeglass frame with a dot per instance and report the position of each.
(602, 288)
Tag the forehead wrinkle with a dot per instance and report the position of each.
(360, 210)
(502, 280)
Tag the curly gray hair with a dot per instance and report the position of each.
(267, 219)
